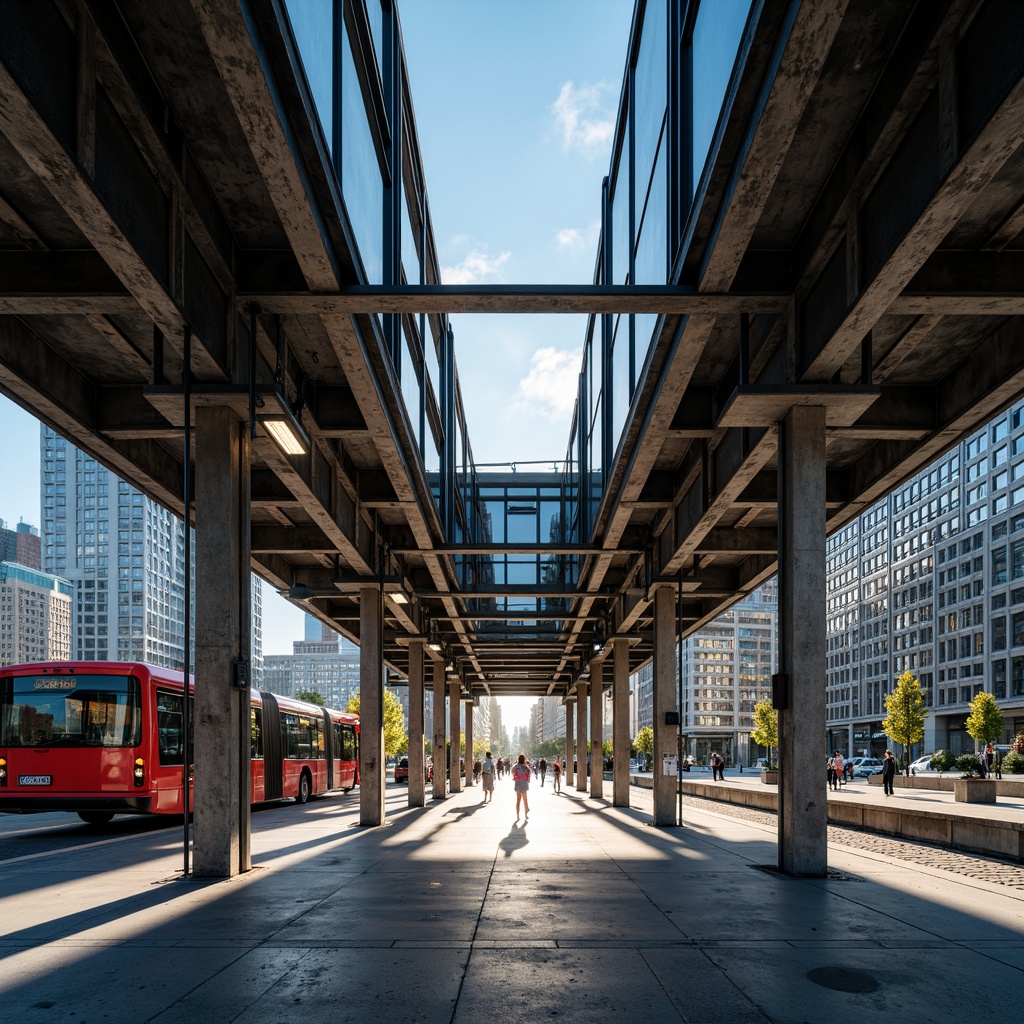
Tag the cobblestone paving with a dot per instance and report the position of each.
(970, 865)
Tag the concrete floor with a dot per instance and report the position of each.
(459, 913)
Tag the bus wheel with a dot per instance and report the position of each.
(96, 817)
(305, 788)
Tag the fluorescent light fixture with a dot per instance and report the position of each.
(434, 645)
(288, 434)
(399, 597)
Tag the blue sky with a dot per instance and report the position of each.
(515, 104)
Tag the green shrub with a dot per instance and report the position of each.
(1013, 763)
(967, 763)
(1017, 744)
(943, 761)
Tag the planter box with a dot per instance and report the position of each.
(974, 791)
(770, 776)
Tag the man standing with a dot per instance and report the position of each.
(543, 770)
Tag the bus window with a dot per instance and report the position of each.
(256, 734)
(168, 724)
(72, 711)
(348, 743)
(303, 736)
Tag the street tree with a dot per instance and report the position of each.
(644, 742)
(905, 715)
(313, 696)
(395, 737)
(766, 728)
(985, 722)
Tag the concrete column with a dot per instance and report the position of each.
(371, 706)
(803, 844)
(221, 756)
(597, 729)
(666, 735)
(620, 724)
(440, 788)
(570, 744)
(417, 784)
(455, 727)
(469, 743)
(581, 736)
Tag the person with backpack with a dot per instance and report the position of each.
(521, 780)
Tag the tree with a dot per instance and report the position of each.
(905, 715)
(395, 737)
(766, 728)
(644, 742)
(313, 696)
(985, 722)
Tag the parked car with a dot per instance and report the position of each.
(402, 770)
(922, 765)
(866, 766)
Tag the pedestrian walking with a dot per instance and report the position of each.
(840, 767)
(888, 772)
(830, 772)
(543, 770)
(717, 767)
(501, 768)
(487, 777)
(521, 780)
(556, 771)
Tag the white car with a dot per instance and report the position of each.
(921, 765)
(865, 766)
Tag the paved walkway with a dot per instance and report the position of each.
(459, 913)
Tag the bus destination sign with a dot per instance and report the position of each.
(55, 683)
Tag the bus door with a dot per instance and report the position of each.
(273, 780)
(331, 751)
(166, 774)
(349, 757)
(256, 762)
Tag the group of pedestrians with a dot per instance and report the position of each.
(521, 773)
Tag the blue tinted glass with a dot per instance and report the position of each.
(312, 22)
(410, 385)
(651, 91)
(361, 183)
(620, 377)
(651, 265)
(620, 221)
(376, 16)
(716, 38)
(410, 258)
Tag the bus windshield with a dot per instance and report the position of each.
(70, 711)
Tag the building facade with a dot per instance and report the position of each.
(20, 545)
(35, 615)
(930, 580)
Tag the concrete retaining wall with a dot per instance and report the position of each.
(978, 835)
(1008, 785)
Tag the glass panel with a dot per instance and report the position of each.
(522, 523)
(410, 258)
(312, 22)
(652, 234)
(361, 183)
(620, 221)
(495, 516)
(716, 38)
(410, 385)
(620, 377)
(72, 711)
(651, 91)
(376, 17)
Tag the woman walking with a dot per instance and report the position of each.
(556, 770)
(521, 778)
(888, 772)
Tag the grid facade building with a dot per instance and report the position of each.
(930, 580)
(35, 615)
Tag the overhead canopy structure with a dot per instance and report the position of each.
(834, 221)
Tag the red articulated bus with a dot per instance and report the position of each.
(104, 738)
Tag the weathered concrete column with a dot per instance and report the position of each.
(371, 706)
(596, 729)
(581, 736)
(620, 723)
(666, 732)
(469, 743)
(570, 743)
(440, 787)
(454, 729)
(803, 844)
(221, 755)
(417, 784)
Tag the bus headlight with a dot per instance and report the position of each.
(3, 771)
(140, 771)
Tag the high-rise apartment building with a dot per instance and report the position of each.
(930, 580)
(20, 545)
(35, 615)
(124, 556)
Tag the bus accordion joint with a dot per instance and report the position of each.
(140, 772)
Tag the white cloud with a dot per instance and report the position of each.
(477, 267)
(579, 239)
(583, 118)
(549, 389)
